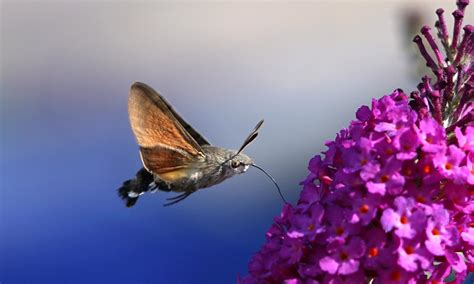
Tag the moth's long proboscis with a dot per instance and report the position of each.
(273, 180)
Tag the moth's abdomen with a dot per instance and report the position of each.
(133, 188)
(174, 176)
(182, 180)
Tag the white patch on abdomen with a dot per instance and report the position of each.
(133, 194)
(195, 176)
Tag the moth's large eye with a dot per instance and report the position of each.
(234, 164)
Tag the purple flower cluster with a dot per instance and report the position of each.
(392, 198)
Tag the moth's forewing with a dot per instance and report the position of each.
(153, 123)
(193, 132)
(164, 143)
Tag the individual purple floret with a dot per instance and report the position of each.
(391, 200)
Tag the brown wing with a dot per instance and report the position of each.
(164, 143)
(193, 132)
(160, 160)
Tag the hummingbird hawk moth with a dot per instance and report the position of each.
(174, 155)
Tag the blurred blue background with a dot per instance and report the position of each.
(66, 144)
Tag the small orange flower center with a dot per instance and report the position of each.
(389, 151)
(395, 276)
(420, 199)
(373, 252)
(429, 140)
(407, 171)
(384, 178)
(310, 227)
(409, 249)
(339, 231)
(364, 209)
(363, 162)
(448, 166)
(404, 220)
(435, 232)
(343, 256)
(427, 169)
(471, 224)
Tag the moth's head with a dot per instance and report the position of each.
(239, 163)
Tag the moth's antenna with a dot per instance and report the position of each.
(247, 140)
(251, 136)
(273, 180)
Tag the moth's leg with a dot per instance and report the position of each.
(178, 198)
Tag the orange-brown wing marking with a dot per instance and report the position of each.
(161, 160)
(164, 143)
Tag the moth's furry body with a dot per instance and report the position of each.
(175, 156)
(214, 168)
